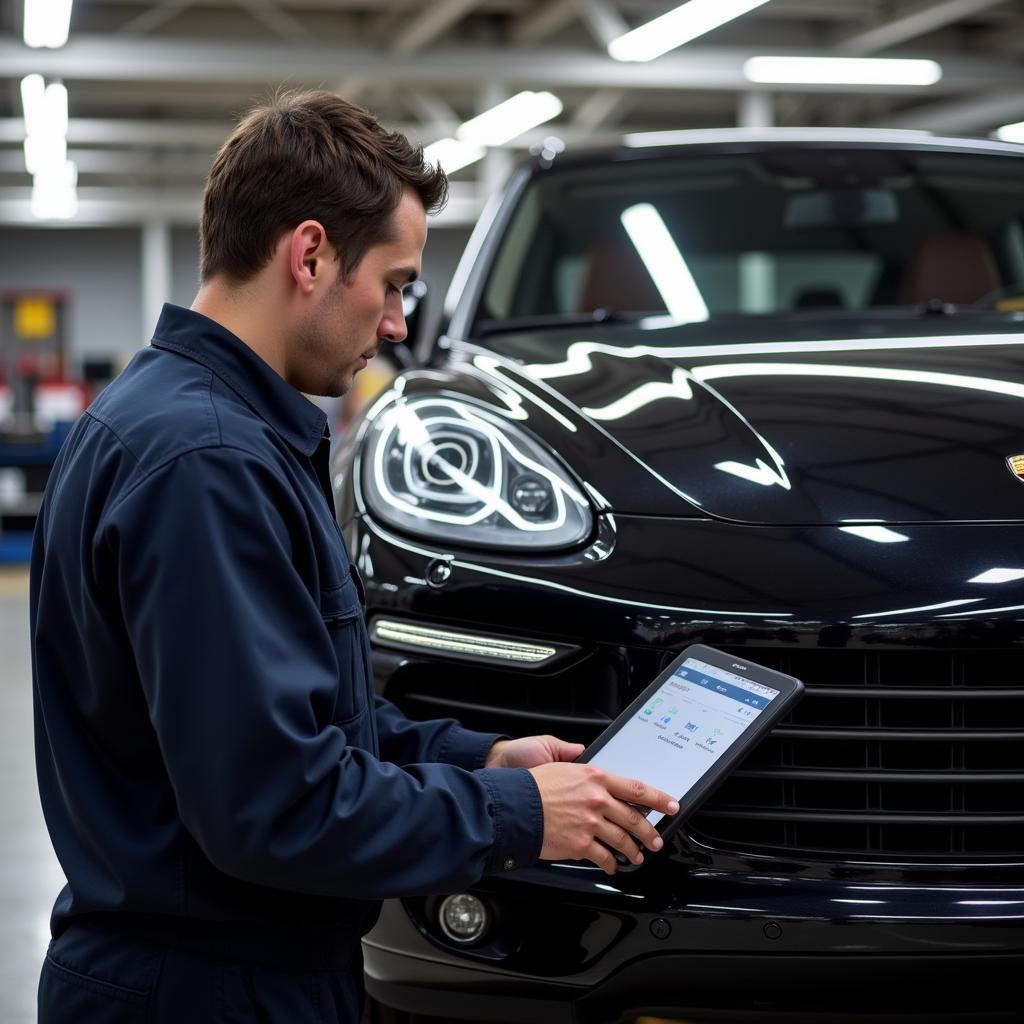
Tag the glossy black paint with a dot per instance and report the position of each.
(903, 423)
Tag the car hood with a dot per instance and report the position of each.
(901, 424)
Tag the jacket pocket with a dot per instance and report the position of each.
(342, 614)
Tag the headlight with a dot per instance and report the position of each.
(454, 471)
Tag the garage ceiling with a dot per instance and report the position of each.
(155, 86)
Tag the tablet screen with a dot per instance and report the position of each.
(683, 729)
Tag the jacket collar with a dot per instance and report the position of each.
(286, 410)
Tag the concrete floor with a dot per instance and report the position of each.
(30, 876)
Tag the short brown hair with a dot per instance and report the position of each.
(307, 156)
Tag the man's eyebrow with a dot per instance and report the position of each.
(411, 273)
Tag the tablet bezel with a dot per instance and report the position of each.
(790, 691)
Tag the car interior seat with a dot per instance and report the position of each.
(615, 278)
(952, 266)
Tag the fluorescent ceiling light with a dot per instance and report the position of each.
(42, 151)
(45, 107)
(1011, 132)
(678, 26)
(841, 71)
(46, 146)
(998, 576)
(53, 192)
(47, 22)
(33, 103)
(55, 110)
(451, 155)
(510, 119)
(665, 263)
(879, 534)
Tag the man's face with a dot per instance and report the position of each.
(356, 316)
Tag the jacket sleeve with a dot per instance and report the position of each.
(239, 675)
(405, 741)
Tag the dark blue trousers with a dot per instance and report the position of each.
(96, 974)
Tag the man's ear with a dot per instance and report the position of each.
(309, 253)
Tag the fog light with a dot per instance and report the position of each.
(463, 918)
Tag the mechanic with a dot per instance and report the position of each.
(228, 798)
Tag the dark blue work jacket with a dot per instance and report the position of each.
(209, 745)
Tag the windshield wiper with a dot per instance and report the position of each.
(548, 320)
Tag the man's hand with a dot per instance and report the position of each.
(531, 751)
(584, 804)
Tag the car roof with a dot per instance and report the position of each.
(641, 145)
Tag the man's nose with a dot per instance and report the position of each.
(393, 329)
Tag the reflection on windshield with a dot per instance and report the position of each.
(772, 232)
(665, 263)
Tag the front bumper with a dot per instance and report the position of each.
(574, 945)
(707, 934)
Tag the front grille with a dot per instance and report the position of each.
(912, 754)
(904, 754)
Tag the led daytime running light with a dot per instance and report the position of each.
(404, 634)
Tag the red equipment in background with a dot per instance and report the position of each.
(38, 404)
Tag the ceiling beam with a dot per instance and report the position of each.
(549, 18)
(134, 206)
(130, 132)
(120, 162)
(436, 115)
(923, 18)
(154, 17)
(162, 60)
(285, 26)
(602, 20)
(185, 138)
(974, 114)
(437, 17)
(598, 109)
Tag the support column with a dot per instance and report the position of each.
(757, 283)
(156, 273)
(756, 109)
(497, 164)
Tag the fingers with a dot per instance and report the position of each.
(633, 791)
(602, 857)
(633, 822)
(616, 837)
(566, 751)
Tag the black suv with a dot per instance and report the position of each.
(763, 391)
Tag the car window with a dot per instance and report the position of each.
(765, 233)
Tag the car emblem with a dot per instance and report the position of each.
(1016, 464)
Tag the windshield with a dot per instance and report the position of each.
(783, 231)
